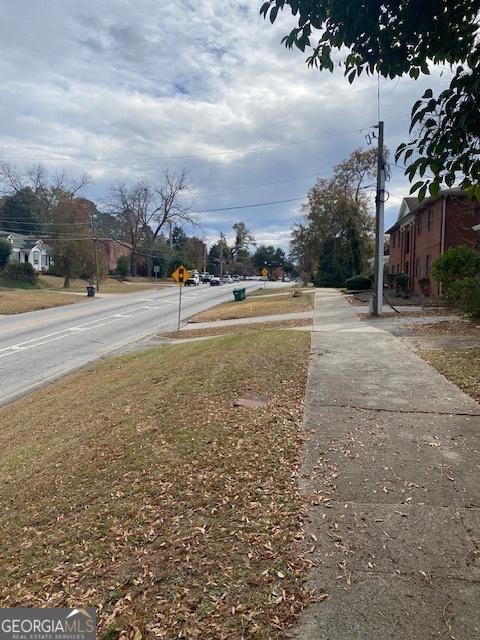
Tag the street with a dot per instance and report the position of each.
(40, 346)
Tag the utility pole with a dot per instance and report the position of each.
(379, 228)
(221, 259)
(170, 240)
(94, 238)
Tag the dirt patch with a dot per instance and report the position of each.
(136, 487)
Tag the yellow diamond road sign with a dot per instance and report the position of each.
(264, 271)
(180, 275)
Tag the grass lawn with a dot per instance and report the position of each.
(256, 306)
(108, 285)
(20, 301)
(287, 291)
(447, 328)
(137, 487)
(237, 328)
(460, 366)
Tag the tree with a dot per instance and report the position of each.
(334, 238)
(267, 255)
(143, 209)
(21, 212)
(179, 238)
(47, 188)
(72, 249)
(243, 241)
(5, 252)
(395, 38)
(131, 205)
(123, 266)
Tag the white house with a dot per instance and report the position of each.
(29, 249)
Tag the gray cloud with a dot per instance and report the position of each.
(114, 87)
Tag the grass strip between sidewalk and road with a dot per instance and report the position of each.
(23, 300)
(136, 486)
(256, 306)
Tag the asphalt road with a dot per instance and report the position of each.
(41, 346)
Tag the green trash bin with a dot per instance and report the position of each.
(239, 294)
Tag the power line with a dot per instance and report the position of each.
(254, 186)
(250, 206)
(197, 155)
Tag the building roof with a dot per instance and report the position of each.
(410, 205)
(22, 241)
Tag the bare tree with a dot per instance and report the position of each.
(169, 205)
(48, 188)
(132, 206)
(144, 209)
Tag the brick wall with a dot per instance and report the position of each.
(462, 216)
(428, 245)
(113, 250)
(415, 245)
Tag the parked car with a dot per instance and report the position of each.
(215, 281)
(236, 278)
(193, 280)
(227, 279)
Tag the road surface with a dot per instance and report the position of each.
(41, 346)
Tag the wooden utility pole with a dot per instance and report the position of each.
(379, 228)
(94, 238)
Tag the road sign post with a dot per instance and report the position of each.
(264, 273)
(180, 275)
(156, 269)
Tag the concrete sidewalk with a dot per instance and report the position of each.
(391, 479)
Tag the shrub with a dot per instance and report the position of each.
(123, 266)
(5, 251)
(465, 293)
(453, 265)
(402, 283)
(20, 271)
(359, 283)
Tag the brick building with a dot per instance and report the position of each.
(424, 231)
(113, 250)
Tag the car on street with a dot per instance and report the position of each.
(205, 277)
(215, 281)
(227, 279)
(193, 280)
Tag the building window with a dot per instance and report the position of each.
(407, 242)
(44, 260)
(428, 264)
(430, 219)
(398, 268)
(419, 224)
(417, 267)
(36, 257)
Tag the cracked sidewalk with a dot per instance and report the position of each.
(391, 480)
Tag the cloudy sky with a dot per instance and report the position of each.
(123, 89)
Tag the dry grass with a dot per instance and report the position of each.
(135, 486)
(22, 300)
(447, 328)
(237, 328)
(284, 291)
(256, 306)
(460, 366)
(107, 285)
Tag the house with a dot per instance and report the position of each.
(423, 231)
(29, 249)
